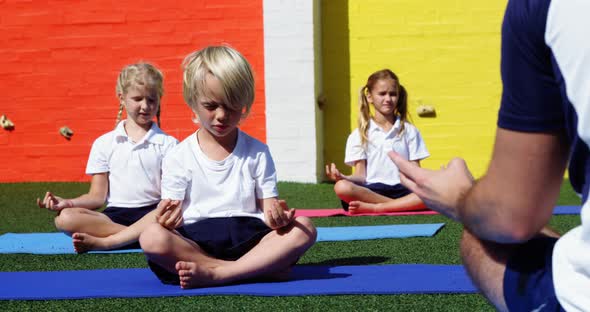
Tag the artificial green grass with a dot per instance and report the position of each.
(19, 213)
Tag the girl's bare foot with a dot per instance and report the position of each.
(85, 242)
(192, 275)
(356, 206)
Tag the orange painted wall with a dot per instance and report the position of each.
(59, 62)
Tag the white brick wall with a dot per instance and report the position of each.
(292, 86)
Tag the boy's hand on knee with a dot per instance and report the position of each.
(169, 214)
(279, 215)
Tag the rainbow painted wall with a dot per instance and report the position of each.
(59, 62)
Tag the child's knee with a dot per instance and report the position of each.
(343, 188)
(154, 239)
(66, 219)
(305, 231)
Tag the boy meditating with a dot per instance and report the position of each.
(220, 220)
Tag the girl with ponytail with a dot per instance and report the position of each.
(375, 185)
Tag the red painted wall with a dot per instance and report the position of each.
(59, 62)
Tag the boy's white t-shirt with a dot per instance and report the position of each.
(380, 168)
(134, 169)
(226, 188)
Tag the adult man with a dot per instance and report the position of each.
(544, 121)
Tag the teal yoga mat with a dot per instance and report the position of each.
(59, 243)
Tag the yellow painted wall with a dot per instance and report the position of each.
(446, 53)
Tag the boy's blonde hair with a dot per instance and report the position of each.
(140, 74)
(227, 65)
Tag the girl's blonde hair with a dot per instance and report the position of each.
(140, 74)
(227, 65)
(400, 110)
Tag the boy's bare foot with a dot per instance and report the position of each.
(356, 206)
(192, 275)
(85, 242)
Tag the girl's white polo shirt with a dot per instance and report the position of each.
(134, 169)
(226, 188)
(380, 168)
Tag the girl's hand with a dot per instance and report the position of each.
(169, 214)
(333, 173)
(279, 215)
(54, 203)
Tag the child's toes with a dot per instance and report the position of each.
(181, 265)
(185, 267)
(185, 276)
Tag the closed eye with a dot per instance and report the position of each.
(210, 106)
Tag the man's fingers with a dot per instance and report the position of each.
(461, 165)
(409, 183)
(406, 167)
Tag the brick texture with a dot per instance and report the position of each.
(59, 62)
(446, 54)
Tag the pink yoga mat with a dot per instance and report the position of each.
(341, 212)
(559, 210)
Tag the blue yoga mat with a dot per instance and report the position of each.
(561, 210)
(59, 243)
(306, 280)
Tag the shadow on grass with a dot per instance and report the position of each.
(352, 261)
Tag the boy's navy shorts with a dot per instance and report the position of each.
(128, 216)
(222, 238)
(528, 281)
(391, 191)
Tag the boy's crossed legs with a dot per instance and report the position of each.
(276, 252)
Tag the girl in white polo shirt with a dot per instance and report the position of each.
(375, 186)
(125, 165)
